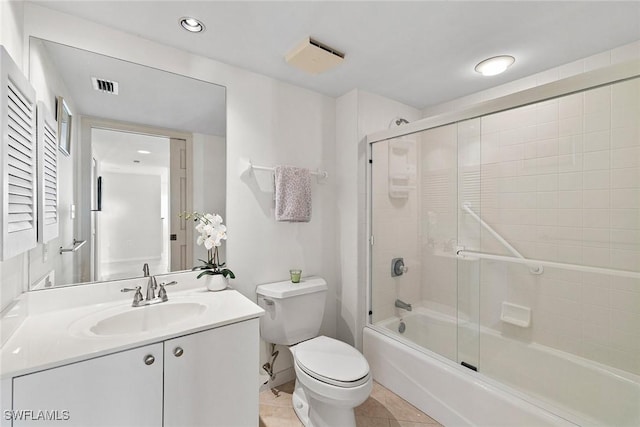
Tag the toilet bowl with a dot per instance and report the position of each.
(332, 377)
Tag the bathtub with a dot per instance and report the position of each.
(457, 396)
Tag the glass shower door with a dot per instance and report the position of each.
(414, 222)
(469, 234)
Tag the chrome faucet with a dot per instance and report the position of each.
(403, 305)
(151, 284)
(151, 288)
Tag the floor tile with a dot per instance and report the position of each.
(383, 408)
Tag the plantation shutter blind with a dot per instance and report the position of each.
(18, 153)
(47, 161)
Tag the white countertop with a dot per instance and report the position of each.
(48, 338)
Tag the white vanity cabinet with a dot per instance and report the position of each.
(206, 378)
(210, 377)
(121, 389)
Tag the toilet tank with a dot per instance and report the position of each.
(293, 311)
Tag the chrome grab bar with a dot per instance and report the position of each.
(77, 244)
(473, 255)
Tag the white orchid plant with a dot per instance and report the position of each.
(212, 233)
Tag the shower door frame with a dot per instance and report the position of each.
(589, 80)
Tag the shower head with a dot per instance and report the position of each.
(400, 121)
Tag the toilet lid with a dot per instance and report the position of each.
(332, 361)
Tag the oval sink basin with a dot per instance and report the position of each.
(144, 319)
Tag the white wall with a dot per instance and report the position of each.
(209, 182)
(268, 121)
(131, 225)
(358, 113)
(11, 31)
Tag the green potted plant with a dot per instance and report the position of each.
(212, 233)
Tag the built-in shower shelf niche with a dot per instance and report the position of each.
(515, 314)
(402, 166)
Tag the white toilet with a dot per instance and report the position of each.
(332, 377)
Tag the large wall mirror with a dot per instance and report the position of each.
(144, 145)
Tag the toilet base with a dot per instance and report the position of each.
(300, 404)
(319, 413)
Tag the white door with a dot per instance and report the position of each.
(181, 231)
(115, 390)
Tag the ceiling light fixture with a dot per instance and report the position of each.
(191, 24)
(144, 152)
(495, 65)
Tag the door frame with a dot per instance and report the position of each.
(83, 186)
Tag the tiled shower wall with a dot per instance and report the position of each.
(394, 223)
(560, 181)
(438, 218)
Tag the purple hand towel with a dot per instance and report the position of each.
(292, 194)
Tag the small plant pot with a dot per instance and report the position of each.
(216, 282)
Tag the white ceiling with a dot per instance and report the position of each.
(419, 52)
(146, 95)
(118, 151)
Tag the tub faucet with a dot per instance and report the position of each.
(403, 305)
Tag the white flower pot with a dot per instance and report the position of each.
(216, 282)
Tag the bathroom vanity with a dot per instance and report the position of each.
(190, 361)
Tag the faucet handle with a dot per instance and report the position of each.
(162, 293)
(169, 284)
(137, 297)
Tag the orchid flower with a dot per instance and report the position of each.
(212, 232)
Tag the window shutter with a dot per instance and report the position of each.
(47, 175)
(18, 154)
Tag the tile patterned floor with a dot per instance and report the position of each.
(382, 409)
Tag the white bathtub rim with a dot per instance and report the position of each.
(505, 393)
(493, 386)
(620, 374)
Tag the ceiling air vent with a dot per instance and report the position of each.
(104, 85)
(314, 57)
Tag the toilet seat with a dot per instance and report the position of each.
(331, 361)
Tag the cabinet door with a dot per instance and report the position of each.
(114, 390)
(211, 377)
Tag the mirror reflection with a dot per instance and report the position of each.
(145, 145)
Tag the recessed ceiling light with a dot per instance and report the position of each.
(144, 152)
(191, 24)
(495, 65)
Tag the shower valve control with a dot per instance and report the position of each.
(397, 267)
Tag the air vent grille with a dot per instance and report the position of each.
(104, 85)
(326, 48)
